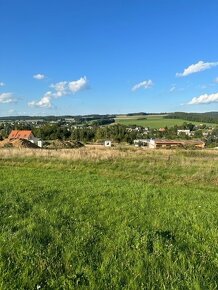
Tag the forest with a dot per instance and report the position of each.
(209, 117)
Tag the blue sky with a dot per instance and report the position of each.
(95, 56)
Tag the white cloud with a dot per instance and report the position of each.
(198, 67)
(6, 98)
(2, 84)
(144, 84)
(216, 80)
(172, 89)
(60, 89)
(39, 76)
(76, 86)
(66, 88)
(45, 101)
(204, 99)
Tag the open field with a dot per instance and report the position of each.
(153, 121)
(97, 218)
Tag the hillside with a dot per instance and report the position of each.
(157, 121)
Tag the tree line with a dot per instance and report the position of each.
(210, 117)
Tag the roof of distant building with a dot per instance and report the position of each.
(20, 134)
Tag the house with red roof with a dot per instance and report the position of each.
(25, 134)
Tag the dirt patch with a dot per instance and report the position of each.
(17, 143)
(58, 144)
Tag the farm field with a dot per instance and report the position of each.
(153, 121)
(108, 219)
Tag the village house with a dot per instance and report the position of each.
(186, 132)
(162, 143)
(205, 134)
(162, 130)
(25, 134)
(141, 142)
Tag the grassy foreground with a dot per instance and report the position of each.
(108, 219)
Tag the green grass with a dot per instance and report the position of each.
(153, 121)
(148, 221)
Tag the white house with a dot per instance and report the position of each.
(152, 144)
(141, 142)
(186, 132)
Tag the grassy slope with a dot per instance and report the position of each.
(143, 222)
(153, 121)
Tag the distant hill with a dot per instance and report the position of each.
(136, 114)
(21, 118)
(55, 118)
(77, 118)
(208, 117)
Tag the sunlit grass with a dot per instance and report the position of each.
(137, 219)
(154, 121)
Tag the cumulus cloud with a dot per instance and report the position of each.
(6, 98)
(45, 101)
(204, 99)
(197, 67)
(60, 89)
(2, 84)
(144, 84)
(66, 88)
(39, 76)
(78, 85)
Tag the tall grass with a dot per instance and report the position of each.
(101, 153)
(108, 219)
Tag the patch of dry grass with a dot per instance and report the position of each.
(93, 153)
(102, 153)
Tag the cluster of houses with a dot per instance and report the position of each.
(149, 143)
(162, 143)
(192, 133)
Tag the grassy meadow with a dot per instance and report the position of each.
(153, 121)
(97, 218)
